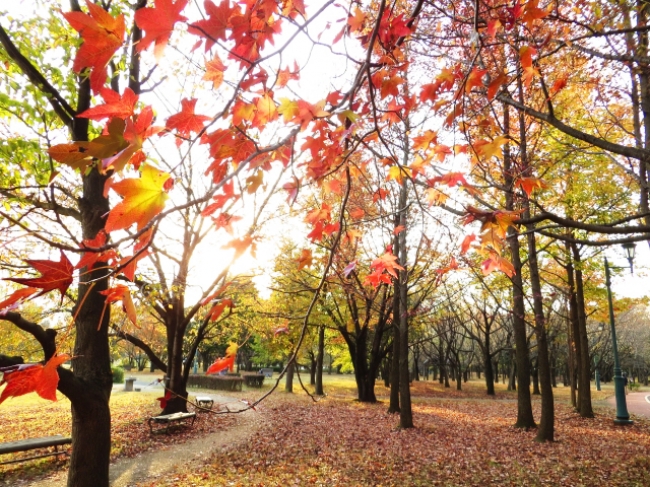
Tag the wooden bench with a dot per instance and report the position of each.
(204, 402)
(33, 444)
(169, 420)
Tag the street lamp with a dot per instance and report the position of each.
(622, 416)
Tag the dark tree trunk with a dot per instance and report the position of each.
(535, 375)
(584, 375)
(312, 370)
(319, 361)
(176, 379)
(405, 413)
(524, 407)
(288, 385)
(489, 376)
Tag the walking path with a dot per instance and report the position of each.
(149, 466)
(637, 403)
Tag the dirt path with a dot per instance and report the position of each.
(149, 466)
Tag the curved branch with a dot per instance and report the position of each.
(142, 346)
(44, 336)
(60, 106)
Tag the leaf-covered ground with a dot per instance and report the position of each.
(461, 438)
(339, 442)
(32, 417)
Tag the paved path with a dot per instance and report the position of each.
(637, 403)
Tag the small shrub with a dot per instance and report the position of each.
(635, 386)
(118, 375)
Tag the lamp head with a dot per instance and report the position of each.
(629, 248)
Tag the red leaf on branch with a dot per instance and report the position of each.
(186, 121)
(16, 297)
(42, 379)
(387, 262)
(102, 34)
(214, 72)
(467, 242)
(122, 293)
(214, 27)
(54, 275)
(114, 106)
(158, 22)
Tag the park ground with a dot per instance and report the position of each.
(461, 438)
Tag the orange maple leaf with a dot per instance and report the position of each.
(122, 293)
(158, 22)
(16, 297)
(218, 308)
(114, 106)
(241, 245)
(214, 27)
(102, 34)
(144, 198)
(214, 72)
(496, 262)
(386, 262)
(186, 121)
(221, 364)
(528, 185)
(42, 379)
(467, 242)
(54, 275)
(305, 259)
(376, 278)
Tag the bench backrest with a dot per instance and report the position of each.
(32, 443)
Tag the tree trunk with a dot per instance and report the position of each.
(90, 389)
(405, 413)
(177, 382)
(319, 361)
(489, 376)
(288, 385)
(312, 370)
(584, 376)
(524, 407)
(535, 375)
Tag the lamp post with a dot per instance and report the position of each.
(622, 416)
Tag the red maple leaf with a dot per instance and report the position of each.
(165, 399)
(115, 106)
(158, 22)
(88, 259)
(186, 121)
(214, 27)
(42, 379)
(54, 275)
(102, 34)
(214, 72)
(122, 293)
(387, 262)
(376, 278)
(221, 364)
(16, 297)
